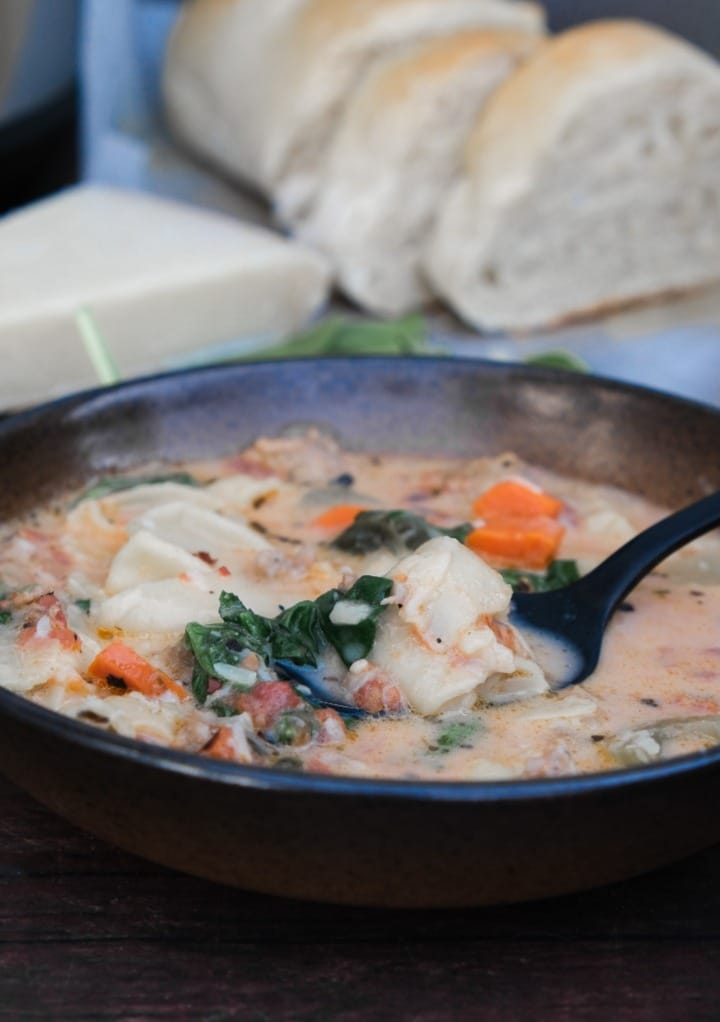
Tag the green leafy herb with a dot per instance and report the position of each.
(558, 575)
(289, 763)
(298, 634)
(5, 617)
(115, 484)
(293, 727)
(397, 530)
(559, 360)
(354, 641)
(344, 336)
(223, 710)
(83, 605)
(455, 735)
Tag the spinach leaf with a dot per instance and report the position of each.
(354, 641)
(397, 530)
(456, 735)
(558, 575)
(295, 634)
(298, 634)
(115, 484)
(5, 617)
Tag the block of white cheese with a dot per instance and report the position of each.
(159, 278)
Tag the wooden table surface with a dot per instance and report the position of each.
(89, 932)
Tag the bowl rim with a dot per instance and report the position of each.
(272, 779)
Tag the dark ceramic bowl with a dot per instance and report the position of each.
(351, 840)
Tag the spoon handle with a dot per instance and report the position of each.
(617, 575)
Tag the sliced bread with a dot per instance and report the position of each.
(395, 157)
(258, 86)
(592, 180)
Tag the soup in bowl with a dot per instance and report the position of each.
(168, 545)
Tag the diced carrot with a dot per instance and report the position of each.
(339, 517)
(518, 542)
(221, 745)
(119, 661)
(512, 498)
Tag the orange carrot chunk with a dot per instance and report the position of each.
(517, 542)
(221, 745)
(512, 498)
(119, 661)
(339, 517)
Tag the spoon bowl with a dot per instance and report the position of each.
(565, 627)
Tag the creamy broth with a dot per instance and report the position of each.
(97, 592)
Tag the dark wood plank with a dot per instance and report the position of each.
(89, 932)
(354, 983)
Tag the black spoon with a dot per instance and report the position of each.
(565, 627)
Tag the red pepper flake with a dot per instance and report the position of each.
(222, 570)
(206, 557)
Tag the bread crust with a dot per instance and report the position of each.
(248, 83)
(399, 149)
(493, 257)
(528, 111)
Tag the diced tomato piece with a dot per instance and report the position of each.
(332, 726)
(266, 701)
(377, 696)
(45, 622)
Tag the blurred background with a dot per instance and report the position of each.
(65, 63)
(80, 101)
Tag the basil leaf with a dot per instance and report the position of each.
(558, 575)
(116, 484)
(396, 530)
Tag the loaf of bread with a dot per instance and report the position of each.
(257, 87)
(592, 180)
(159, 278)
(397, 151)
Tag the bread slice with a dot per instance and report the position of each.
(592, 181)
(159, 278)
(257, 86)
(394, 158)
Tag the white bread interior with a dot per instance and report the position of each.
(160, 279)
(257, 86)
(592, 180)
(395, 156)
